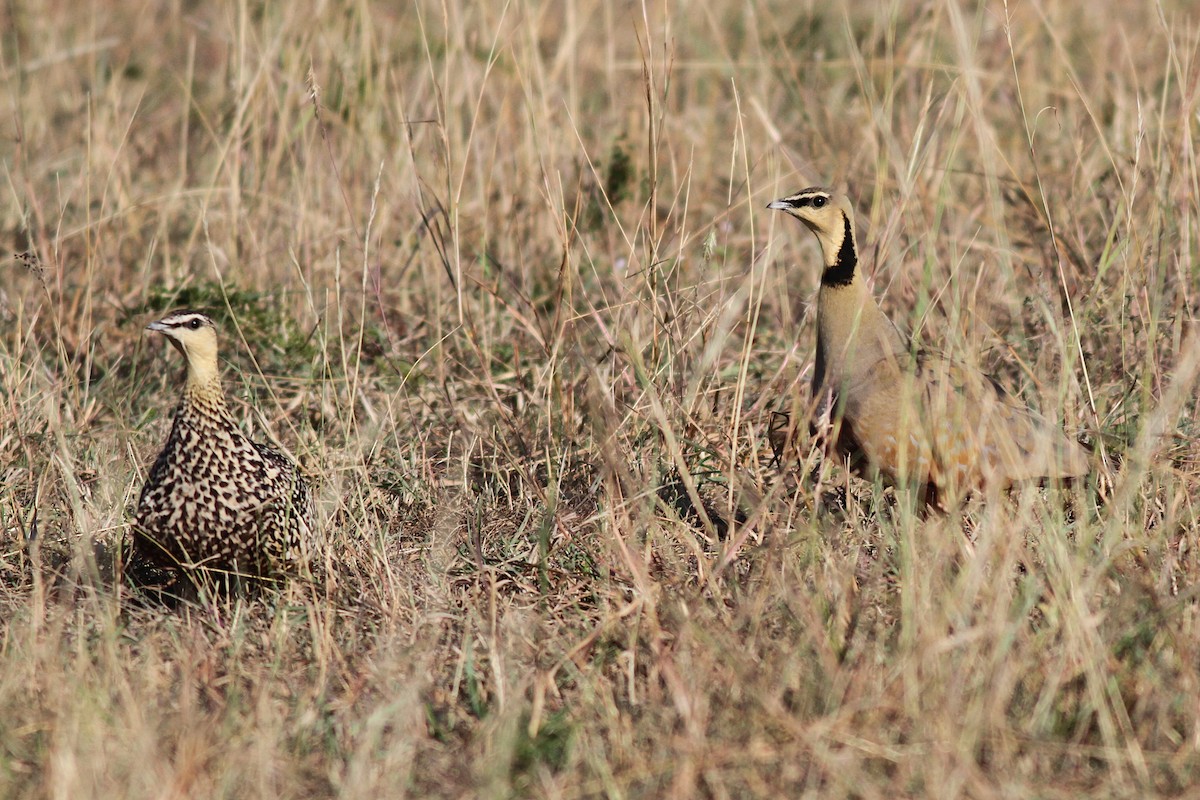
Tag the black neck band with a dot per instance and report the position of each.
(842, 273)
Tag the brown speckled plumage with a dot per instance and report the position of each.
(916, 418)
(215, 500)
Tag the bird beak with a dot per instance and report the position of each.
(157, 326)
(779, 205)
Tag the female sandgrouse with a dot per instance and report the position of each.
(215, 501)
(917, 418)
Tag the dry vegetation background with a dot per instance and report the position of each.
(499, 275)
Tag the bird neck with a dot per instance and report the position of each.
(204, 401)
(841, 254)
(853, 333)
(203, 371)
(202, 392)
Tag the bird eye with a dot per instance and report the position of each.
(194, 324)
(818, 202)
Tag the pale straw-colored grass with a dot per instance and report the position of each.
(496, 274)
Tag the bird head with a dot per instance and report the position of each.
(829, 216)
(821, 210)
(195, 336)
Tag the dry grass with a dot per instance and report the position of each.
(496, 273)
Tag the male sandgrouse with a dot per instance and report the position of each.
(215, 501)
(917, 418)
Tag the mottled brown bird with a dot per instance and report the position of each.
(215, 501)
(917, 418)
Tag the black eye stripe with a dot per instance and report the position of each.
(193, 324)
(814, 200)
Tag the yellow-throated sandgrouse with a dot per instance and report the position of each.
(917, 418)
(215, 501)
